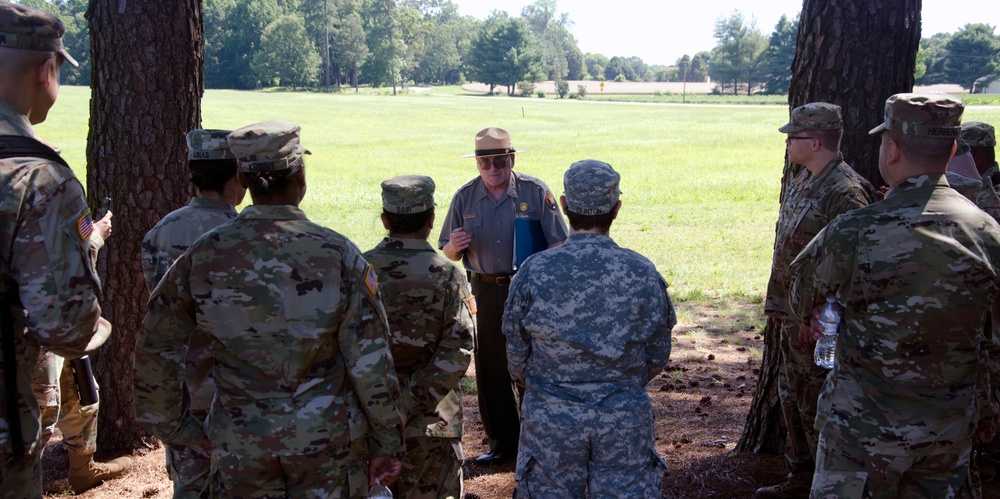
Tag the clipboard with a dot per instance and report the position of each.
(528, 239)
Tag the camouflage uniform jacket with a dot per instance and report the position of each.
(588, 324)
(174, 233)
(915, 274)
(993, 173)
(810, 203)
(47, 265)
(299, 341)
(988, 200)
(430, 310)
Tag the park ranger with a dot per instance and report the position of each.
(305, 389)
(823, 188)
(212, 170)
(915, 274)
(430, 310)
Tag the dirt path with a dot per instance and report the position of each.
(700, 400)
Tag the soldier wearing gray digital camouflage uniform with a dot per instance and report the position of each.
(212, 169)
(48, 283)
(305, 390)
(588, 326)
(822, 189)
(430, 310)
(915, 274)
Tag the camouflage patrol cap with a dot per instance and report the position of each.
(209, 144)
(979, 134)
(591, 187)
(961, 146)
(408, 194)
(923, 115)
(267, 146)
(26, 28)
(814, 116)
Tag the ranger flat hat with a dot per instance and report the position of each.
(979, 134)
(32, 29)
(209, 144)
(408, 194)
(267, 146)
(591, 187)
(814, 116)
(492, 141)
(923, 115)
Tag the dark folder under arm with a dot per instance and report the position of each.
(528, 239)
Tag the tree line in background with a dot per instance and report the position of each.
(387, 43)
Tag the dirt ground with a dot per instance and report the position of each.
(700, 399)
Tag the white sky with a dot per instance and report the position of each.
(661, 31)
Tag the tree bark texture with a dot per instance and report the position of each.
(856, 54)
(146, 91)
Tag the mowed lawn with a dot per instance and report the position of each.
(700, 182)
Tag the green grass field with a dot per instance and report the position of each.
(700, 182)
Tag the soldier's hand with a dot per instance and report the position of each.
(816, 327)
(103, 226)
(806, 336)
(987, 429)
(385, 469)
(776, 320)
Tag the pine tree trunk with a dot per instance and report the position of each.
(856, 54)
(853, 53)
(146, 95)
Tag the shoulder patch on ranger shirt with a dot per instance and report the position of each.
(550, 200)
(371, 280)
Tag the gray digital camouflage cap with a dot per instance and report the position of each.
(591, 187)
(32, 29)
(408, 194)
(209, 144)
(814, 116)
(267, 146)
(979, 134)
(923, 115)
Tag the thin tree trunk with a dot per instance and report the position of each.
(145, 96)
(853, 53)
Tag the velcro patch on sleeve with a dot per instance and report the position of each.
(472, 305)
(371, 280)
(85, 227)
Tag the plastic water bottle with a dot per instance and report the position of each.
(379, 491)
(826, 347)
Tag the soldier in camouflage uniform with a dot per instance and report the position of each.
(430, 309)
(588, 326)
(982, 142)
(299, 340)
(914, 274)
(821, 190)
(48, 281)
(212, 169)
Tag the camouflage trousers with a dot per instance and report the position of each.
(432, 469)
(321, 475)
(846, 469)
(60, 405)
(188, 469)
(20, 476)
(799, 384)
(560, 457)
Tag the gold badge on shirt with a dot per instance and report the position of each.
(523, 207)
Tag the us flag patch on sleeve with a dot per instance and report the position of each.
(371, 280)
(85, 226)
(472, 304)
